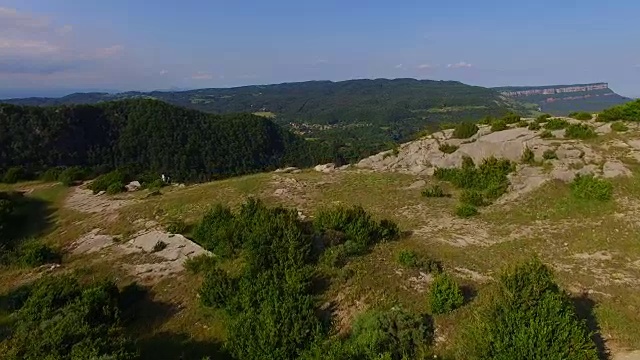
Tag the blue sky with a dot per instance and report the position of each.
(53, 47)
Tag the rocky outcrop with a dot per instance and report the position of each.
(556, 90)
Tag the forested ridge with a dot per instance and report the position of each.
(146, 136)
(363, 115)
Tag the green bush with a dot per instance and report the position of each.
(528, 317)
(114, 180)
(546, 134)
(448, 148)
(465, 130)
(70, 176)
(528, 157)
(590, 188)
(490, 178)
(543, 118)
(534, 126)
(13, 175)
(580, 131)
(219, 232)
(581, 115)
(499, 126)
(434, 191)
(408, 258)
(155, 184)
(396, 334)
(445, 295)
(619, 126)
(522, 124)
(472, 197)
(487, 120)
(511, 118)
(200, 264)
(217, 288)
(177, 226)
(549, 154)
(51, 174)
(556, 124)
(60, 319)
(32, 253)
(625, 112)
(466, 210)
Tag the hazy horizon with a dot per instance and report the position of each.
(62, 47)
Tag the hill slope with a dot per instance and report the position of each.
(363, 113)
(147, 136)
(564, 99)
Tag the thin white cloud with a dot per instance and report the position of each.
(12, 20)
(425, 66)
(399, 66)
(164, 72)
(18, 47)
(201, 75)
(460, 65)
(109, 51)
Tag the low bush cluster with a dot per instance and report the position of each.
(448, 148)
(14, 174)
(522, 124)
(528, 157)
(546, 134)
(625, 112)
(499, 125)
(619, 126)
(445, 295)
(511, 118)
(556, 124)
(549, 154)
(528, 317)
(464, 210)
(465, 130)
(434, 191)
(581, 115)
(534, 126)
(411, 259)
(543, 118)
(58, 318)
(112, 182)
(580, 131)
(590, 188)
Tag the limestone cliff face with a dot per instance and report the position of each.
(556, 90)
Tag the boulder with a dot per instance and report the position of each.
(326, 168)
(286, 170)
(133, 186)
(615, 168)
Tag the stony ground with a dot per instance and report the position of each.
(594, 248)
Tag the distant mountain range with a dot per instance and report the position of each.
(563, 99)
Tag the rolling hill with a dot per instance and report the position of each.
(564, 99)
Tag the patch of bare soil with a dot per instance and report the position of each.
(84, 200)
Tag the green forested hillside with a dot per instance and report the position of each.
(363, 114)
(146, 136)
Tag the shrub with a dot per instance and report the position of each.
(511, 118)
(60, 319)
(546, 134)
(434, 191)
(487, 120)
(590, 188)
(522, 124)
(32, 253)
(534, 126)
(155, 184)
(51, 174)
(217, 288)
(528, 317)
(177, 226)
(218, 232)
(499, 126)
(409, 258)
(114, 180)
(528, 157)
(543, 118)
(625, 112)
(581, 115)
(199, 264)
(619, 126)
(70, 176)
(490, 178)
(395, 334)
(549, 154)
(13, 175)
(445, 295)
(556, 124)
(466, 210)
(580, 131)
(472, 197)
(465, 130)
(448, 148)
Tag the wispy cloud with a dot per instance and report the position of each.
(425, 66)
(164, 72)
(201, 75)
(460, 65)
(34, 44)
(399, 66)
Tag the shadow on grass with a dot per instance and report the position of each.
(180, 347)
(31, 217)
(585, 310)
